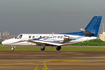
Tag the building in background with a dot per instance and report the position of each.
(102, 36)
(0, 33)
(5, 33)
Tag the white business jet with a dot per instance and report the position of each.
(57, 40)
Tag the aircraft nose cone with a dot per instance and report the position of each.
(3, 42)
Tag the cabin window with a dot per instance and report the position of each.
(29, 36)
(59, 37)
(33, 36)
(40, 37)
(54, 36)
(45, 37)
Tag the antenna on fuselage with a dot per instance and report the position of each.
(52, 32)
(103, 27)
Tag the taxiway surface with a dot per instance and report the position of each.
(56, 60)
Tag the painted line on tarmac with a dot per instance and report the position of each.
(60, 60)
(15, 64)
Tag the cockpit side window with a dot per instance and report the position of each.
(15, 37)
(18, 37)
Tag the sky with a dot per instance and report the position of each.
(47, 16)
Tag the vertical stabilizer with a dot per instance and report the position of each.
(93, 26)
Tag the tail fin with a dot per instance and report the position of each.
(91, 29)
(93, 26)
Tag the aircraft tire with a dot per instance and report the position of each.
(58, 48)
(42, 48)
(12, 48)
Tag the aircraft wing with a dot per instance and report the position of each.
(49, 42)
(55, 43)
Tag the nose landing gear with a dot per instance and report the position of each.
(13, 47)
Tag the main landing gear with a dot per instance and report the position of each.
(58, 48)
(42, 47)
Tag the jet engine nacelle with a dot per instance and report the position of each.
(67, 38)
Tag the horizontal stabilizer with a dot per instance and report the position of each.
(86, 32)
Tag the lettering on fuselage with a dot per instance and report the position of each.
(54, 37)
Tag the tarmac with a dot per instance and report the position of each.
(55, 60)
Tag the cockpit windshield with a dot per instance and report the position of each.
(18, 37)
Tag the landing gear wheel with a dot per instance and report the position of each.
(12, 48)
(42, 48)
(58, 48)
